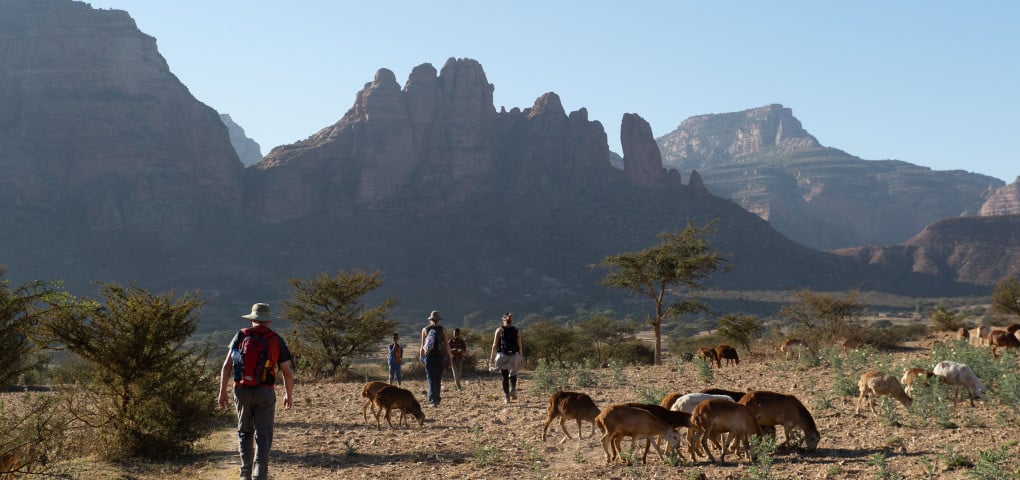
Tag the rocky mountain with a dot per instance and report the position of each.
(822, 197)
(114, 172)
(248, 150)
(1005, 201)
(976, 250)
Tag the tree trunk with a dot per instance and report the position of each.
(657, 328)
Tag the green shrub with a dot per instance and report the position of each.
(633, 352)
(991, 465)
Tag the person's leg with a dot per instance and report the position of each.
(434, 374)
(506, 385)
(399, 373)
(393, 375)
(243, 401)
(458, 365)
(264, 413)
(515, 366)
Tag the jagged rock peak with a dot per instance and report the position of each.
(716, 139)
(547, 104)
(424, 74)
(1004, 201)
(696, 183)
(642, 162)
(385, 75)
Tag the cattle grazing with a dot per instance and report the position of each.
(771, 408)
(708, 353)
(714, 417)
(874, 384)
(620, 421)
(391, 398)
(793, 346)
(567, 406)
(961, 376)
(728, 353)
(368, 392)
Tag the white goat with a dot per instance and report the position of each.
(961, 376)
(687, 402)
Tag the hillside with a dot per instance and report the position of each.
(825, 198)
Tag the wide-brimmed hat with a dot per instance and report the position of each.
(260, 312)
(434, 316)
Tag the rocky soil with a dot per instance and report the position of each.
(474, 435)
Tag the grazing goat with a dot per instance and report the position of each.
(963, 334)
(961, 376)
(791, 346)
(850, 344)
(708, 353)
(734, 394)
(674, 418)
(980, 335)
(1003, 339)
(771, 408)
(620, 421)
(912, 376)
(874, 384)
(1013, 327)
(570, 405)
(714, 417)
(369, 391)
(728, 353)
(393, 397)
(686, 403)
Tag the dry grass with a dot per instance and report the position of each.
(474, 435)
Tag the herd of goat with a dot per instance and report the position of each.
(722, 417)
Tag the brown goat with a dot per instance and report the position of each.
(963, 334)
(1013, 327)
(715, 417)
(620, 421)
(708, 353)
(1002, 339)
(912, 376)
(393, 397)
(570, 405)
(368, 392)
(850, 344)
(736, 395)
(771, 408)
(791, 346)
(874, 384)
(728, 353)
(670, 399)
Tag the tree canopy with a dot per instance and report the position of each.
(677, 265)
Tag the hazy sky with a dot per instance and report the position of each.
(933, 83)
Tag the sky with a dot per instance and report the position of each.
(934, 83)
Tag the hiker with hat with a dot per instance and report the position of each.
(436, 355)
(253, 357)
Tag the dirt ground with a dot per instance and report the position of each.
(474, 435)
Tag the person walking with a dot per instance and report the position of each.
(508, 355)
(254, 357)
(394, 359)
(458, 347)
(435, 354)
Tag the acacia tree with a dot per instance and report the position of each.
(740, 328)
(22, 308)
(603, 331)
(822, 316)
(678, 263)
(1006, 296)
(330, 323)
(142, 385)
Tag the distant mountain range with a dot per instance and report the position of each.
(113, 171)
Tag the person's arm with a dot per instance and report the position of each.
(421, 347)
(288, 384)
(226, 374)
(495, 345)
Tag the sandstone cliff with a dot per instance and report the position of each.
(822, 197)
(1005, 201)
(97, 131)
(248, 150)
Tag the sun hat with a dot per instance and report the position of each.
(435, 316)
(260, 312)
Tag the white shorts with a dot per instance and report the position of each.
(509, 362)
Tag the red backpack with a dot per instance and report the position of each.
(255, 357)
